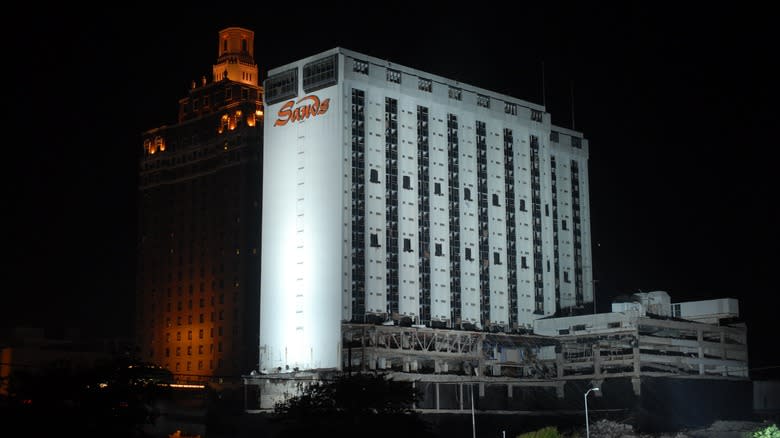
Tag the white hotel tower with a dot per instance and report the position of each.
(397, 197)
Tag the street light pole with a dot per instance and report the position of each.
(473, 424)
(587, 427)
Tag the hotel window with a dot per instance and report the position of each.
(496, 258)
(563, 224)
(522, 205)
(281, 86)
(468, 255)
(566, 277)
(407, 182)
(554, 136)
(374, 178)
(437, 188)
(438, 251)
(483, 101)
(495, 200)
(359, 66)
(467, 194)
(510, 108)
(536, 115)
(523, 262)
(455, 93)
(424, 84)
(407, 245)
(320, 74)
(576, 142)
(393, 76)
(374, 240)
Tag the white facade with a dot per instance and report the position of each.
(707, 311)
(396, 196)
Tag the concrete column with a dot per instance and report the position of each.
(637, 362)
(596, 360)
(371, 362)
(559, 364)
(636, 384)
(700, 339)
(414, 387)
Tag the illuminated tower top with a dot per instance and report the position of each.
(236, 59)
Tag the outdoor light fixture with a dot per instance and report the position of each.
(587, 428)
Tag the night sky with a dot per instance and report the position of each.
(679, 106)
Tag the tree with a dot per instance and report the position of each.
(362, 405)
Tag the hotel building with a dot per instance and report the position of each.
(199, 212)
(395, 197)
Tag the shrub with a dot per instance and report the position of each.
(547, 432)
(767, 432)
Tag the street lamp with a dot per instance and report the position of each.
(587, 427)
(473, 423)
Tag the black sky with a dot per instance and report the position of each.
(679, 106)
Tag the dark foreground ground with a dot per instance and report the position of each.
(221, 415)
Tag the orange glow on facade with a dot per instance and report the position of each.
(223, 123)
(152, 146)
(192, 292)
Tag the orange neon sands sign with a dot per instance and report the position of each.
(308, 106)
